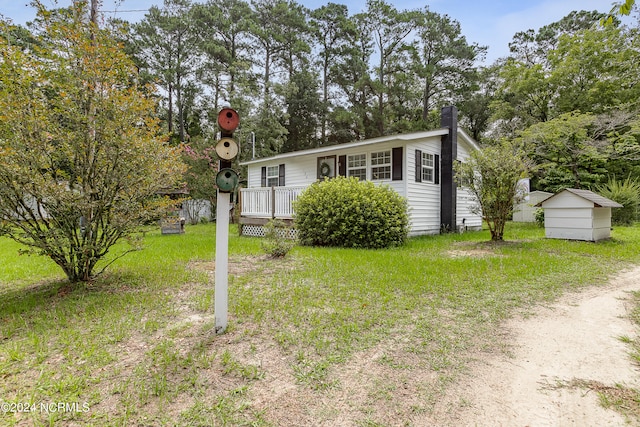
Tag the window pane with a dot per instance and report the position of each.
(381, 158)
(381, 172)
(357, 160)
(427, 160)
(381, 165)
(273, 173)
(361, 174)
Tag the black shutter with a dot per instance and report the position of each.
(436, 169)
(342, 165)
(263, 179)
(396, 164)
(281, 175)
(418, 166)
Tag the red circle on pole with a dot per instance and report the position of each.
(228, 119)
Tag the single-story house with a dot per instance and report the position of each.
(575, 214)
(419, 166)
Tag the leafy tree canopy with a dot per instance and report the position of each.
(81, 157)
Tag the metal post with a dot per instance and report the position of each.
(222, 262)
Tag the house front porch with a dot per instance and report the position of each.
(260, 205)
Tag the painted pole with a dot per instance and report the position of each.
(222, 262)
(226, 181)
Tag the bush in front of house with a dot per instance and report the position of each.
(627, 193)
(347, 212)
(276, 244)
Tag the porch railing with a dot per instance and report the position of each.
(269, 202)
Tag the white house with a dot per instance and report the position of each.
(578, 215)
(418, 166)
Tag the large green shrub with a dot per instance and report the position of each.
(627, 193)
(350, 213)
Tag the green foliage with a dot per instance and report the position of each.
(566, 152)
(81, 156)
(627, 193)
(276, 243)
(346, 212)
(539, 217)
(492, 176)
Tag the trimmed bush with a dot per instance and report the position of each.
(627, 193)
(346, 212)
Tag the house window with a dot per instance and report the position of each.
(273, 174)
(381, 165)
(357, 166)
(427, 167)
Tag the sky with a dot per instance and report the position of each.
(489, 23)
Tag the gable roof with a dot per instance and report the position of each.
(596, 199)
(399, 137)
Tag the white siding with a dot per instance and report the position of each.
(302, 170)
(466, 202)
(465, 207)
(423, 197)
(569, 234)
(567, 199)
(526, 211)
(601, 223)
(589, 224)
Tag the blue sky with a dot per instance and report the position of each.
(489, 23)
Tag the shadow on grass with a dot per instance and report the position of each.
(38, 297)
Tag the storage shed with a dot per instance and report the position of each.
(578, 215)
(526, 211)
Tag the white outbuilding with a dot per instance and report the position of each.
(526, 211)
(578, 215)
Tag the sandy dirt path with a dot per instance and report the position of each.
(575, 338)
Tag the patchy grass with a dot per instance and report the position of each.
(372, 335)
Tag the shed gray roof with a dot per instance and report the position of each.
(598, 200)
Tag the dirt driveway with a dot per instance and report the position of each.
(575, 339)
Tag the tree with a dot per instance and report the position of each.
(223, 31)
(166, 49)
(389, 29)
(351, 74)
(575, 149)
(304, 112)
(331, 29)
(619, 8)
(81, 158)
(492, 175)
(444, 61)
(545, 72)
(200, 177)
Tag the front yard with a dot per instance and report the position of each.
(323, 337)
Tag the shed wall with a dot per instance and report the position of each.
(526, 211)
(591, 224)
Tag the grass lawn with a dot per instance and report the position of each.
(374, 334)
